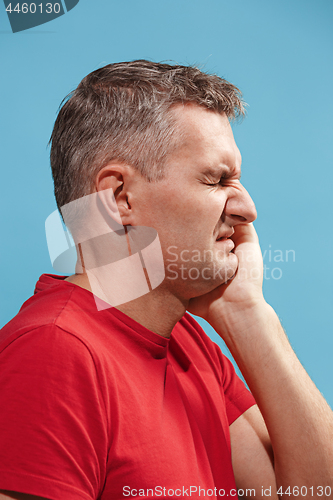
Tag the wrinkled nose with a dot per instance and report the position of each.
(240, 207)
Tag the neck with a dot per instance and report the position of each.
(158, 310)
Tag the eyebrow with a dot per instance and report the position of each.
(222, 172)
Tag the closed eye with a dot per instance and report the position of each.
(224, 178)
(221, 182)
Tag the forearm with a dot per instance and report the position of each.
(298, 419)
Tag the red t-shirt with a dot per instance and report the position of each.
(95, 406)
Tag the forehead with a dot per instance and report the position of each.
(206, 137)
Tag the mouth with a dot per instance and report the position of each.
(225, 236)
(226, 244)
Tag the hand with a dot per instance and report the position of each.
(241, 292)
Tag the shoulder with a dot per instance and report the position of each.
(189, 336)
(50, 339)
(58, 311)
(190, 333)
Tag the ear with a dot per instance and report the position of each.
(112, 183)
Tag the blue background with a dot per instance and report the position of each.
(279, 52)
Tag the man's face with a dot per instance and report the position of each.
(197, 205)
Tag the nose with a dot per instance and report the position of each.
(240, 208)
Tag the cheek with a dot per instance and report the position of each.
(171, 211)
(210, 212)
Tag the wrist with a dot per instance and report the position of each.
(239, 319)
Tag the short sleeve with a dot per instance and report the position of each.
(238, 398)
(53, 428)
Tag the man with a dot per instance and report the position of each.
(134, 400)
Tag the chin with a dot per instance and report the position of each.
(220, 274)
(228, 267)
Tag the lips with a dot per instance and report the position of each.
(224, 236)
